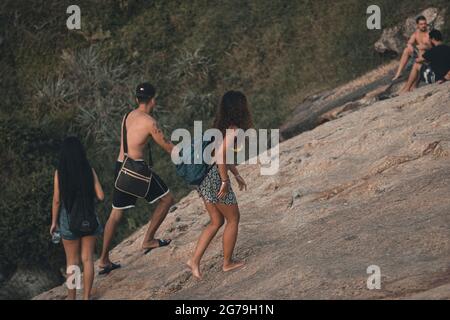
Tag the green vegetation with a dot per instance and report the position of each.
(56, 82)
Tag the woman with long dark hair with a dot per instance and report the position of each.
(75, 179)
(215, 190)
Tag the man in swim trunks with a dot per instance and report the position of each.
(437, 60)
(140, 126)
(419, 40)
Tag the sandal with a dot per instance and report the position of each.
(162, 243)
(109, 268)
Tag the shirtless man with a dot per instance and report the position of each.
(419, 39)
(437, 59)
(140, 127)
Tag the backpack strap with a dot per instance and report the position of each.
(150, 159)
(124, 135)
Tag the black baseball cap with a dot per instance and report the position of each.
(145, 90)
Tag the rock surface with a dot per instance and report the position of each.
(363, 91)
(331, 104)
(369, 188)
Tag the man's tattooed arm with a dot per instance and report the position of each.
(160, 139)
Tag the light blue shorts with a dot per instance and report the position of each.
(64, 226)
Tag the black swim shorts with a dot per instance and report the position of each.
(122, 200)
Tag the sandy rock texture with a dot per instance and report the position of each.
(354, 95)
(369, 188)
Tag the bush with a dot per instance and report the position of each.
(57, 83)
(28, 167)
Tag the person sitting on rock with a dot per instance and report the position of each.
(436, 60)
(419, 41)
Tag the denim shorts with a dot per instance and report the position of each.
(66, 234)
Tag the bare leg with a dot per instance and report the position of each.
(87, 257)
(407, 53)
(110, 229)
(416, 82)
(232, 216)
(157, 218)
(72, 249)
(413, 78)
(205, 238)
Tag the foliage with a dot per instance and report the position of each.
(57, 82)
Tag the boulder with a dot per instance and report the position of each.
(325, 106)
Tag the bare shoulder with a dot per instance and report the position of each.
(152, 124)
(148, 118)
(232, 130)
(144, 119)
(231, 133)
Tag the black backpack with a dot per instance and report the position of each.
(82, 218)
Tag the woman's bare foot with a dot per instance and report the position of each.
(195, 269)
(233, 265)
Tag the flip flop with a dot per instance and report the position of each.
(108, 269)
(162, 243)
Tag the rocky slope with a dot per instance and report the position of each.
(365, 90)
(325, 106)
(369, 188)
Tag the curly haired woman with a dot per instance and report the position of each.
(215, 190)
